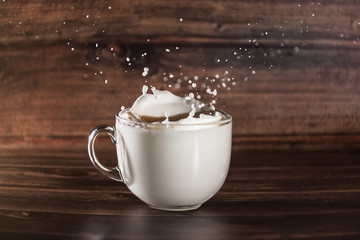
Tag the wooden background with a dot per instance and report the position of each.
(293, 66)
(287, 71)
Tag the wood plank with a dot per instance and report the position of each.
(52, 183)
(306, 92)
(297, 80)
(180, 226)
(21, 149)
(265, 180)
(322, 23)
(263, 153)
(266, 196)
(58, 226)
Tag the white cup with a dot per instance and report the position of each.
(169, 167)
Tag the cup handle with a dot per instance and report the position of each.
(113, 173)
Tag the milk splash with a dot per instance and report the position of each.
(163, 107)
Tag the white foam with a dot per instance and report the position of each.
(159, 103)
(162, 103)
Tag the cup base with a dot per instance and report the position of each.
(176, 209)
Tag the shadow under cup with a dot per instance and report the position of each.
(169, 166)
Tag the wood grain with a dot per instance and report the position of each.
(287, 71)
(50, 91)
(266, 196)
(281, 68)
(330, 23)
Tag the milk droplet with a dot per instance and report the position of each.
(145, 89)
(166, 121)
(155, 92)
(145, 72)
(193, 111)
(191, 96)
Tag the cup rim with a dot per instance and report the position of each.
(156, 125)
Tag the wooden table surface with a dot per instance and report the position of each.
(267, 195)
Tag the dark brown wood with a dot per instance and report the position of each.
(329, 23)
(292, 67)
(313, 91)
(287, 71)
(267, 195)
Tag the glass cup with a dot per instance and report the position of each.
(168, 166)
